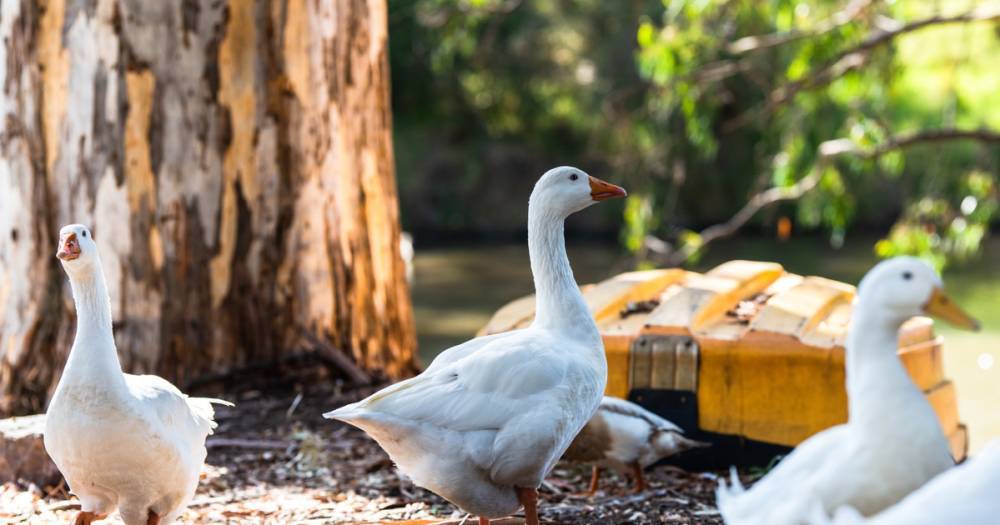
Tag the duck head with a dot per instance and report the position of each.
(905, 287)
(566, 190)
(77, 250)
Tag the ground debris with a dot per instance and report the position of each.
(269, 465)
(636, 307)
(747, 309)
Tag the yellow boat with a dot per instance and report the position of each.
(747, 355)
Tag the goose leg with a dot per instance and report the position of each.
(86, 517)
(529, 500)
(484, 521)
(153, 519)
(640, 480)
(595, 480)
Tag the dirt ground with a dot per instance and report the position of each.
(275, 460)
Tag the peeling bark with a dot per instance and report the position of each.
(234, 161)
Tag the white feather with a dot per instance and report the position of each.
(132, 442)
(965, 494)
(892, 443)
(497, 412)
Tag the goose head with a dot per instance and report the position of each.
(77, 250)
(905, 287)
(566, 190)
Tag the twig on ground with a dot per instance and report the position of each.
(337, 358)
(294, 405)
(64, 505)
(257, 444)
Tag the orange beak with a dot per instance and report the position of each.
(941, 306)
(602, 191)
(69, 248)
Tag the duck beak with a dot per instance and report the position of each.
(602, 191)
(942, 307)
(69, 248)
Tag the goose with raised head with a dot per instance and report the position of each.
(627, 438)
(131, 442)
(966, 494)
(488, 419)
(892, 442)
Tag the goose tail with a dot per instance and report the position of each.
(346, 413)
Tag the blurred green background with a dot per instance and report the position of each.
(862, 128)
(696, 106)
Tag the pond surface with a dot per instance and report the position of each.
(457, 290)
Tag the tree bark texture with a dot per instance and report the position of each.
(234, 162)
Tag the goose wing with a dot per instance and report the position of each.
(519, 390)
(626, 408)
(163, 402)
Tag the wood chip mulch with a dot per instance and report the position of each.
(275, 460)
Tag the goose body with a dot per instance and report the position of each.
(628, 438)
(892, 443)
(488, 419)
(132, 442)
(965, 494)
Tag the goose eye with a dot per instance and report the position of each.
(84, 233)
(907, 276)
(574, 176)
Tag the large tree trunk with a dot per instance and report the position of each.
(234, 161)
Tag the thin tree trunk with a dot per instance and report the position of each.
(234, 161)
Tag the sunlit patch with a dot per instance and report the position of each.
(985, 361)
(969, 204)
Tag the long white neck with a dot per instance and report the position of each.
(876, 377)
(94, 355)
(560, 304)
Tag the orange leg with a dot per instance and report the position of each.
(484, 521)
(640, 481)
(595, 480)
(153, 519)
(85, 518)
(529, 500)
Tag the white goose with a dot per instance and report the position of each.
(966, 494)
(132, 442)
(892, 443)
(488, 419)
(627, 438)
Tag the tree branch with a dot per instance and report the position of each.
(850, 59)
(827, 151)
(750, 44)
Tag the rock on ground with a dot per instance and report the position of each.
(22, 453)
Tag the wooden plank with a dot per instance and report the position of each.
(798, 310)
(743, 271)
(663, 362)
(942, 398)
(607, 298)
(958, 440)
(733, 327)
(706, 297)
(769, 387)
(750, 277)
(617, 351)
(923, 362)
(916, 330)
(640, 365)
(831, 331)
(604, 300)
